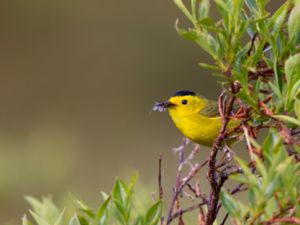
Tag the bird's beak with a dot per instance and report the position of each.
(168, 104)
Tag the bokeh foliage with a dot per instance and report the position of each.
(256, 54)
(272, 190)
(117, 208)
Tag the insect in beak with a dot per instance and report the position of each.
(168, 104)
(162, 106)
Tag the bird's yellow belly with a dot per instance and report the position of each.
(200, 129)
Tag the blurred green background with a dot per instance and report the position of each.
(78, 81)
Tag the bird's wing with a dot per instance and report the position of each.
(211, 109)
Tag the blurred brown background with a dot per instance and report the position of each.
(78, 80)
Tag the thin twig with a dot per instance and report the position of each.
(179, 187)
(189, 209)
(225, 218)
(160, 188)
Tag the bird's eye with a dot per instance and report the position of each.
(184, 102)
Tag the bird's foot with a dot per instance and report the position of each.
(229, 153)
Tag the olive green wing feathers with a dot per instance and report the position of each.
(211, 109)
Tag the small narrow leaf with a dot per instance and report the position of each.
(154, 214)
(185, 11)
(292, 69)
(120, 193)
(60, 219)
(83, 207)
(83, 220)
(287, 119)
(297, 108)
(230, 204)
(74, 220)
(35, 204)
(208, 66)
(204, 9)
(198, 38)
(278, 76)
(102, 210)
(279, 17)
(294, 22)
(39, 220)
(25, 221)
(260, 167)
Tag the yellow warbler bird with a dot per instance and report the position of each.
(195, 116)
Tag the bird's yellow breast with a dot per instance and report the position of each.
(200, 129)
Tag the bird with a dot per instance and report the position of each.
(197, 117)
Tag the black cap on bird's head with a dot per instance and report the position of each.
(184, 93)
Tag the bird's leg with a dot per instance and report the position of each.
(226, 158)
(229, 153)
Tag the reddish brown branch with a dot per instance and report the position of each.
(189, 209)
(216, 184)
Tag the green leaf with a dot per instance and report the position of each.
(225, 12)
(39, 220)
(275, 89)
(247, 172)
(241, 75)
(120, 192)
(257, 54)
(271, 187)
(241, 178)
(204, 9)
(230, 204)
(35, 204)
(297, 108)
(83, 207)
(121, 212)
(60, 219)
(247, 97)
(206, 21)
(74, 220)
(199, 38)
(102, 211)
(292, 70)
(193, 6)
(278, 77)
(83, 220)
(45, 209)
(25, 220)
(282, 167)
(154, 214)
(208, 66)
(132, 184)
(260, 167)
(287, 119)
(185, 11)
(262, 5)
(252, 5)
(271, 146)
(294, 22)
(278, 18)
